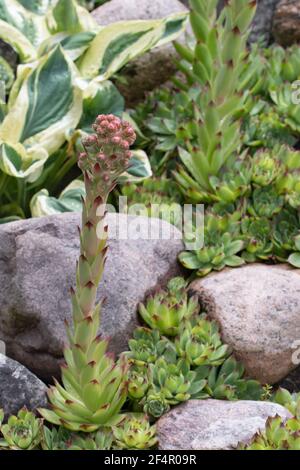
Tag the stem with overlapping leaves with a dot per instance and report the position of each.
(94, 385)
(212, 141)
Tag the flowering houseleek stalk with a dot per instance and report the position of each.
(218, 62)
(94, 385)
(165, 309)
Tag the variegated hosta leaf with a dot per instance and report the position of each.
(117, 43)
(37, 6)
(69, 201)
(174, 26)
(67, 16)
(16, 161)
(18, 41)
(73, 44)
(31, 25)
(47, 106)
(100, 98)
(139, 170)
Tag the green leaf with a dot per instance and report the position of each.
(100, 98)
(294, 259)
(32, 26)
(189, 260)
(18, 41)
(47, 106)
(117, 43)
(139, 169)
(36, 6)
(174, 26)
(234, 261)
(67, 16)
(70, 200)
(75, 44)
(19, 162)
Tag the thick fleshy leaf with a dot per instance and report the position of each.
(100, 98)
(294, 260)
(16, 161)
(117, 43)
(139, 169)
(189, 260)
(67, 16)
(70, 200)
(31, 25)
(47, 106)
(18, 41)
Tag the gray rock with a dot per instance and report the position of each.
(286, 23)
(214, 424)
(19, 387)
(258, 309)
(153, 68)
(37, 268)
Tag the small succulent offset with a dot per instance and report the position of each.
(147, 346)
(167, 308)
(222, 243)
(228, 382)
(199, 342)
(278, 434)
(22, 432)
(94, 385)
(134, 432)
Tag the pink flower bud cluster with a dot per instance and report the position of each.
(107, 151)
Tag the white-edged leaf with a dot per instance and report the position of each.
(73, 44)
(174, 26)
(69, 17)
(139, 170)
(18, 41)
(70, 200)
(117, 43)
(16, 161)
(31, 25)
(47, 106)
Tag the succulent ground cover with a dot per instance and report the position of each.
(233, 147)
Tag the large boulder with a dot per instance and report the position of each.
(37, 268)
(153, 68)
(214, 424)
(258, 309)
(19, 387)
(286, 23)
